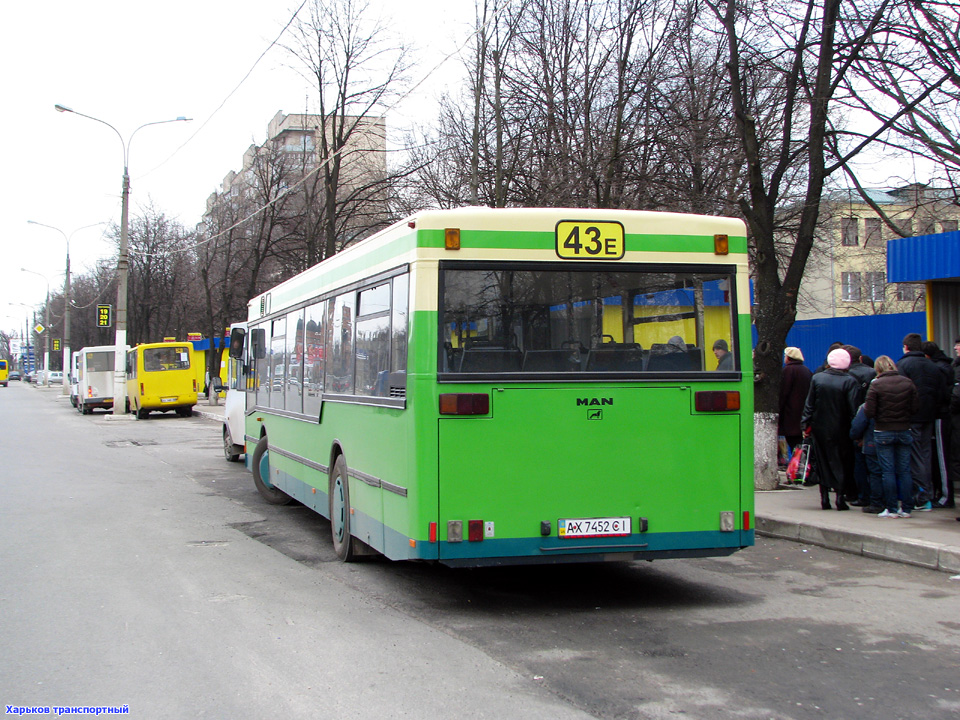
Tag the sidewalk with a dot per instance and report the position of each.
(928, 539)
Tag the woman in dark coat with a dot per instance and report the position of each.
(829, 411)
(794, 386)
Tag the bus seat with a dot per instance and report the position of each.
(615, 357)
(490, 359)
(557, 360)
(669, 362)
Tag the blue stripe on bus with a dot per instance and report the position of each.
(396, 545)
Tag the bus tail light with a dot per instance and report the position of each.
(464, 404)
(195, 385)
(474, 530)
(746, 519)
(141, 389)
(717, 400)
(433, 532)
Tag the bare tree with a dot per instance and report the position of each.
(358, 69)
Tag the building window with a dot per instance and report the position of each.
(872, 228)
(948, 225)
(851, 286)
(876, 283)
(908, 292)
(848, 232)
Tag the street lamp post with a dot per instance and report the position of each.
(119, 377)
(46, 332)
(26, 335)
(66, 299)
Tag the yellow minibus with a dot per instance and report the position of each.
(160, 379)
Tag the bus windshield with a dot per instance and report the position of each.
(506, 318)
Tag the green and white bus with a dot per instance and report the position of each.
(501, 386)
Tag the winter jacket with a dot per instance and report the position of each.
(831, 403)
(892, 401)
(862, 429)
(929, 381)
(794, 386)
(943, 364)
(863, 374)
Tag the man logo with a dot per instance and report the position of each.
(595, 415)
(594, 401)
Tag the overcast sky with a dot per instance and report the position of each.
(130, 63)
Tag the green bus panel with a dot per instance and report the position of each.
(551, 453)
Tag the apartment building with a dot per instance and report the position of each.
(847, 271)
(291, 157)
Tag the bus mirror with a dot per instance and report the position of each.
(258, 339)
(237, 336)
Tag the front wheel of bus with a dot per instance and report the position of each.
(229, 449)
(343, 543)
(261, 475)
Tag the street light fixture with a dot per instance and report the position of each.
(119, 375)
(66, 297)
(46, 332)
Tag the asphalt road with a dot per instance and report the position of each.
(141, 569)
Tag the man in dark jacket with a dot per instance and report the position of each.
(863, 374)
(931, 388)
(942, 485)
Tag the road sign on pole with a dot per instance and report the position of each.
(104, 316)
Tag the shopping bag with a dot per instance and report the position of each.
(783, 451)
(800, 469)
(793, 466)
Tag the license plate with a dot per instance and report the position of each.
(593, 527)
(173, 399)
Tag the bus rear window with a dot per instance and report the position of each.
(166, 358)
(509, 319)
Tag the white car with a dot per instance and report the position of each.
(56, 377)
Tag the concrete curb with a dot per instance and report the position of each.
(913, 552)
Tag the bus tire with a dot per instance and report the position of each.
(343, 542)
(230, 451)
(261, 466)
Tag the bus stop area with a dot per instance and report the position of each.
(928, 539)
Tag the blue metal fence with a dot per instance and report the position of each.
(875, 335)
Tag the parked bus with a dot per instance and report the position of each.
(94, 372)
(160, 378)
(73, 378)
(4, 373)
(235, 402)
(501, 386)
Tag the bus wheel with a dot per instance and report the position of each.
(343, 543)
(142, 413)
(229, 449)
(261, 475)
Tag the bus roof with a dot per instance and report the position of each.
(532, 237)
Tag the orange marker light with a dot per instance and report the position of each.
(451, 238)
(721, 244)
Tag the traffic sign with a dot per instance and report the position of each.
(105, 316)
(38, 329)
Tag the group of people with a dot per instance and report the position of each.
(886, 435)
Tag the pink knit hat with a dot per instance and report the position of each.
(838, 359)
